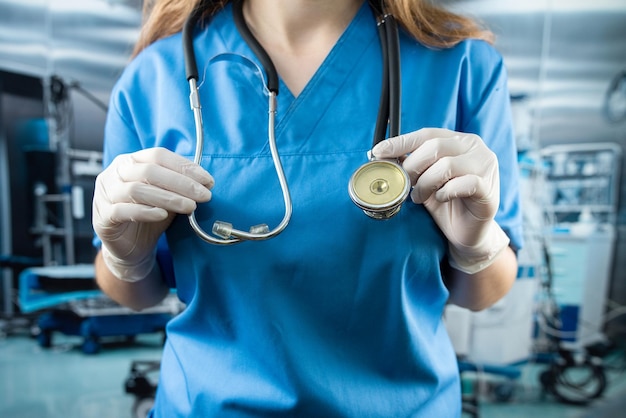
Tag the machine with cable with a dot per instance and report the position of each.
(46, 250)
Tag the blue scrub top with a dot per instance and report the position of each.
(340, 315)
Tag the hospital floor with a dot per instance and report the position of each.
(64, 382)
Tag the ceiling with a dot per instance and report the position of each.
(561, 55)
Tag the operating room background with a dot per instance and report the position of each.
(562, 56)
(59, 60)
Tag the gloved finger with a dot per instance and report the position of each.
(432, 179)
(431, 151)
(128, 170)
(106, 216)
(464, 186)
(150, 195)
(403, 144)
(445, 182)
(177, 163)
(445, 170)
(477, 191)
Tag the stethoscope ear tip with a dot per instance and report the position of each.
(222, 229)
(225, 230)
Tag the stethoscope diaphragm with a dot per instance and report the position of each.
(379, 188)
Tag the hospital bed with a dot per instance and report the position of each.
(71, 303)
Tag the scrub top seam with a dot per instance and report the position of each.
(282, 154)
(329, 62)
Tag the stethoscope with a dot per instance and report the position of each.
(378, 187)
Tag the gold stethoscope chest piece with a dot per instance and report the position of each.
(379, 188)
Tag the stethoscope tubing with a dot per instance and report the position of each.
(389, 112)
(388, 115)
(227, 234)
(395, 88)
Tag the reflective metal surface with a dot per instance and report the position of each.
(379, 188)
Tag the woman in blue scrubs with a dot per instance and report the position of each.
(340, 315)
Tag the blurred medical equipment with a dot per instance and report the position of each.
(45, 182)
(142, 383)
(557, 309)
(576, 373)
(379, 187)
(60, 201)
(67, 300)
(615, 99)
(581, 203)
(54, 292)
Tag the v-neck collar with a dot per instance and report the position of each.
(328, 79)
(334, 70)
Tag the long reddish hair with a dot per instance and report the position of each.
(430, 24)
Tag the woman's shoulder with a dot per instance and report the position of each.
(480, 51)
(166, 56)
(475, 51)
(473, 63)
(165, 51)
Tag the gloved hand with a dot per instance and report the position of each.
(136, 199)
(456, 177)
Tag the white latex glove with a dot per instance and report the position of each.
(135, 200)
(456, 177)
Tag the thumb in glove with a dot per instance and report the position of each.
(136, 198)
(455, 176)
